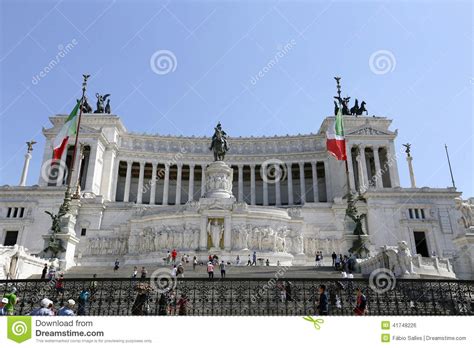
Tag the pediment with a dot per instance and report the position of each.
(368, 130)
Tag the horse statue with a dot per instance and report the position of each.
(362, 109)
(355, 108)
(219, 143)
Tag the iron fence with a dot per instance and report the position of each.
(241, 297)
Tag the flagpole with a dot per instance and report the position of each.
(84, 87)
(449, 164)
(340, 108)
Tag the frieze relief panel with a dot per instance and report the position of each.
(240, 146)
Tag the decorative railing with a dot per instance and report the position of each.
(237, 297)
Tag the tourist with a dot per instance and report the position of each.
(182, 305)
(323, 301)
(172, 302)
(267, 262)
(180, 271)
(215, 260)
(278, 263)
(3, 310)
(67, 309)
(162, 305)
(51, 272)
(210, 270)
(46, 308)
(288, 290)
(60, 284)
(317, 259)
(334, 256)
(94, 285)
(12, 301)
(361, 303)
(237, 260)
(337, 263)
(45, 270)
(143, 273)
(174, 271)
(116, 265)
(174, 254)
(168, 258)
(281, 287)
(83, 299)
(139, 306)
(222, 268)
(249, 262)
(320, 258)
(135, 272)
(254, 259)
(195, 261)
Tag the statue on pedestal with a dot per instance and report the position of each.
(219, 143)
(216, 231)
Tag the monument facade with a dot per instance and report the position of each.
(282, 196)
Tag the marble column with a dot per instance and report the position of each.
(241, 183)
(178, 184)
(327, 178)
(26, 165)
(128, 179)
(278, 177)
(410, 169)
(166, 184)
(302, 183)
(315, 181)
(191, 183)
(393, 165)
(378, 171)
(113, 192)
(265, 192)
(140, 183)
(290, 183)
(154, 167)
(203, 179)
(252, 184)
(363, 185)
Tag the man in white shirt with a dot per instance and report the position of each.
(67, 309)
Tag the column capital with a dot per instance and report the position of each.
(179, 164)
(167, 166)
(240, 166)
(154, 164)
(301, 163)
(192, 165)
(252, 165)
(129, 162)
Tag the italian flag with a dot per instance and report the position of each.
(68, 130)
(335, 142)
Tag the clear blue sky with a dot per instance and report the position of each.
(219, 46)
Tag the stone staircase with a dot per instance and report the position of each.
(232, 271)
